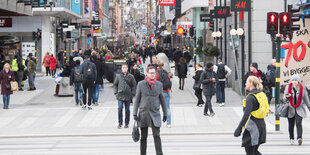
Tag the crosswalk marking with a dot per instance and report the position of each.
(27, 122)
(178, 117)
(99, 118)
(66, 118)
(8, 117)
(91, 114)
(190, 118)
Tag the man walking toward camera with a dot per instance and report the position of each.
(149, 97)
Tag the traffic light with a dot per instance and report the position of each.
(272, 23)
(294, 17)
(39, 34)
(285, 23)
(34, 35)
(192, 31)
(211, 26)
(59, 32)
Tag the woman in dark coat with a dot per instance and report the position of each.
(182, 72)
(136, 73)
(197, 87)
(6, 76)
(255, 129)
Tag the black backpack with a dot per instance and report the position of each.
(78, 77)
(221, 72)
(164, 79)
(88, 72)
(271, 76)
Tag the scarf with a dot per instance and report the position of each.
(299, 96)
(257, 74)
(150, 82)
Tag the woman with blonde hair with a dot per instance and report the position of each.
(296, 94)
(6, 76)
(255, 128)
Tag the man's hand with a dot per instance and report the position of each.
(135, 117)
(70, 87)
(164, 118)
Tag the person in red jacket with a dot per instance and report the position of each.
(46, 63)
(53, 61)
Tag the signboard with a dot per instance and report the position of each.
(75, 34)
(240, 5)
(173, 28)
(221, 12)
(5, 22)
(86, 8)
(297, 56)
(76, 6)
(144, 30)
(27, 47)
(86, 27)
(205, 18)
(166, 2)
(64, 24)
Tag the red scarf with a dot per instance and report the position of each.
(257, 74)
(299, 96)
(150, 82)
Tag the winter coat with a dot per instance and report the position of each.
(46, 60)
(182, 70)
(64, 89)
(255, 129)
(148, 102)
(264, 79)
(177, 55)
(187, 56)
(5, 80)
(31, 66)
(197, 85)
(300, 110)
(271, 79)
(208, 86)
(53, 62)
(137, 75)
(100, 71)
(122, 90)
(66, 72)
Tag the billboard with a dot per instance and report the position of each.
(76, 6)
(296, 58)
(166, 2)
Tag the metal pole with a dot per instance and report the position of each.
(277, 119)
(216, 29)
(242, 62)
(225, 36)
(250, 37)
(285, 3)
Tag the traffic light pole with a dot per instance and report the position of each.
(278, 49)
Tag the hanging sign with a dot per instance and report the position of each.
(240, 5)
(166, 2)
(221, 12)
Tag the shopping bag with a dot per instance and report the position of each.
(135, 132)
(14, 86)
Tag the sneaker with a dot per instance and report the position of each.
(212, 114)
(168, 126)
(126, 126)
(206, 114)
(223, 104)
(200, 105)
(292, 141)
(299, 141)
(89, 108)
(119, 126)
(220, 104)
(81, 102)
(95, 104)
(84, 107)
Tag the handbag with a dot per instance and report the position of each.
(8, 86)
(135, 132)
(14, 86)
(282, 110)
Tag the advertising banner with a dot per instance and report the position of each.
(296, 58)
(166, 2)
(76, 6)
(5, 22)
(86, 8)
(240, 5)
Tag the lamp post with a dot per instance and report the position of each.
(234, 44)
(217, 35)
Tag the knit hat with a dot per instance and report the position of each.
(255, 65)
(296, 77)
(209, 65)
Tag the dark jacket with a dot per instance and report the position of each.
(264, 79)
(137, 75)
(84, 64)
(182, 70)
(208, 86)
(66, 72)
(100, 71)
(177, 55)
(271, 77)
(255, 130)
(4, 78)
(187, 56)
(122, 90)
(196, 78)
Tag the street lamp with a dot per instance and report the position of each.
(234, 44)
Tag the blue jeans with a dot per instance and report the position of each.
(78, 90)
(220, 91)
(96, 93)
(120, 112)
(167, 100)
(6, 100)
(31, 80)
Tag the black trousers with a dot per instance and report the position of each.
(252, 150)
(291, 123)
(88, 86)
(157, 140)
(48, 71)
(208, 105)
(53, 72)
(198, 93)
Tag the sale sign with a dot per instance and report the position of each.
(297, 56)
(166, 2)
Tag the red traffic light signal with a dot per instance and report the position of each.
(285, 23)
(180, 31)
(272, 23)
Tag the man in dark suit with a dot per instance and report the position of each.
(149, 97)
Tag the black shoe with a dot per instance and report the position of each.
(31, 89)
(20, 89)
(206, 114)
(119, 126)
(34, 88)
(126, 126)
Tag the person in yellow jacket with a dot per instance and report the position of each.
(14, 66)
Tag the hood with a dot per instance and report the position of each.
(270, 66)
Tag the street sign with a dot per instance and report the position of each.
(240, 5)
(166, 2)
(221, 12)
(173, 28)
(75, 34)
(89, 41)
(144, 30)
(206, 18)
(86, 27)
